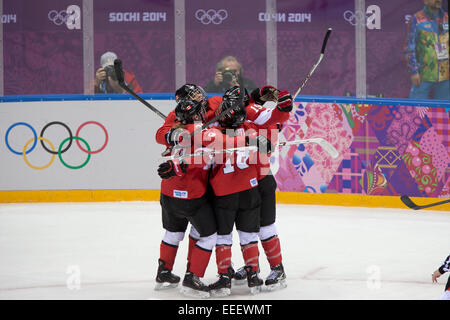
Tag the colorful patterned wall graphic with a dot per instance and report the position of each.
(384, 150)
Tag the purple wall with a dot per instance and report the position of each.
(239, 35)
(299, 45)
(40, 56)
(145, 47)
(44, 56)
(386, 65)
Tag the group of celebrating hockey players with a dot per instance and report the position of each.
(217, 178)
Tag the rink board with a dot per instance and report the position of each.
(114, 156)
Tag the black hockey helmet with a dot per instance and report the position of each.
(191, 92)
(233, 93)
(188, 111)
(234, 118)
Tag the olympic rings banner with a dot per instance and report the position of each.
(67, 145)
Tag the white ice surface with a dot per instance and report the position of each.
(328, 252)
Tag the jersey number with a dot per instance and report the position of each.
(241, 162)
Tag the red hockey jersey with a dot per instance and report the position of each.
(267, 122)
(237, 171)
(171, 120)
(193, 183)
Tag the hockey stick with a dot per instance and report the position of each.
(322, 52)
(409, 203)
(120, 78)
(328, 147)
(320, 141)
(209, 152)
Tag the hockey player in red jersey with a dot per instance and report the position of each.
(269, 122)
(237, 200)
(184, 199)
(168, 134)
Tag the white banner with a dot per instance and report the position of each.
(112, 147)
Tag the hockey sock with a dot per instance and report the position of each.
(192, 243)
(272, 249)
(223, 258)
(199, 261)
(250, 252)
(167, 253)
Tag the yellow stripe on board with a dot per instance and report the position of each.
(331, 199)
(355, 200)
(78, 195)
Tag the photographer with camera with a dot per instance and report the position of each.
(105, 77)
(228, 74)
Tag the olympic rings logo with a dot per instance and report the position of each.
(211, 15)
(61, 17)
(355, 18)
(33, 142)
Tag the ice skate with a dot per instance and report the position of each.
(276, 279)
(240, 277)
(254, 282)
(222, 287)
(165, 279)
(193, 287)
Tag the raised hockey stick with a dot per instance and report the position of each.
(409, 203)
(120, 78)
(322, 52)
(320, 141)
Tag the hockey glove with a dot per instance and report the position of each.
(284, 101)
(175, 136)
(261, 142)
(265, 93)
(172, 168)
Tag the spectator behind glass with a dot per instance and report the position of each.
(228, 74)
(105, 77)
(427, 52)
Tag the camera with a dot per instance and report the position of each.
(228, 76)
(110, 72)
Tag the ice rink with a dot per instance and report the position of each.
(110, 251)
